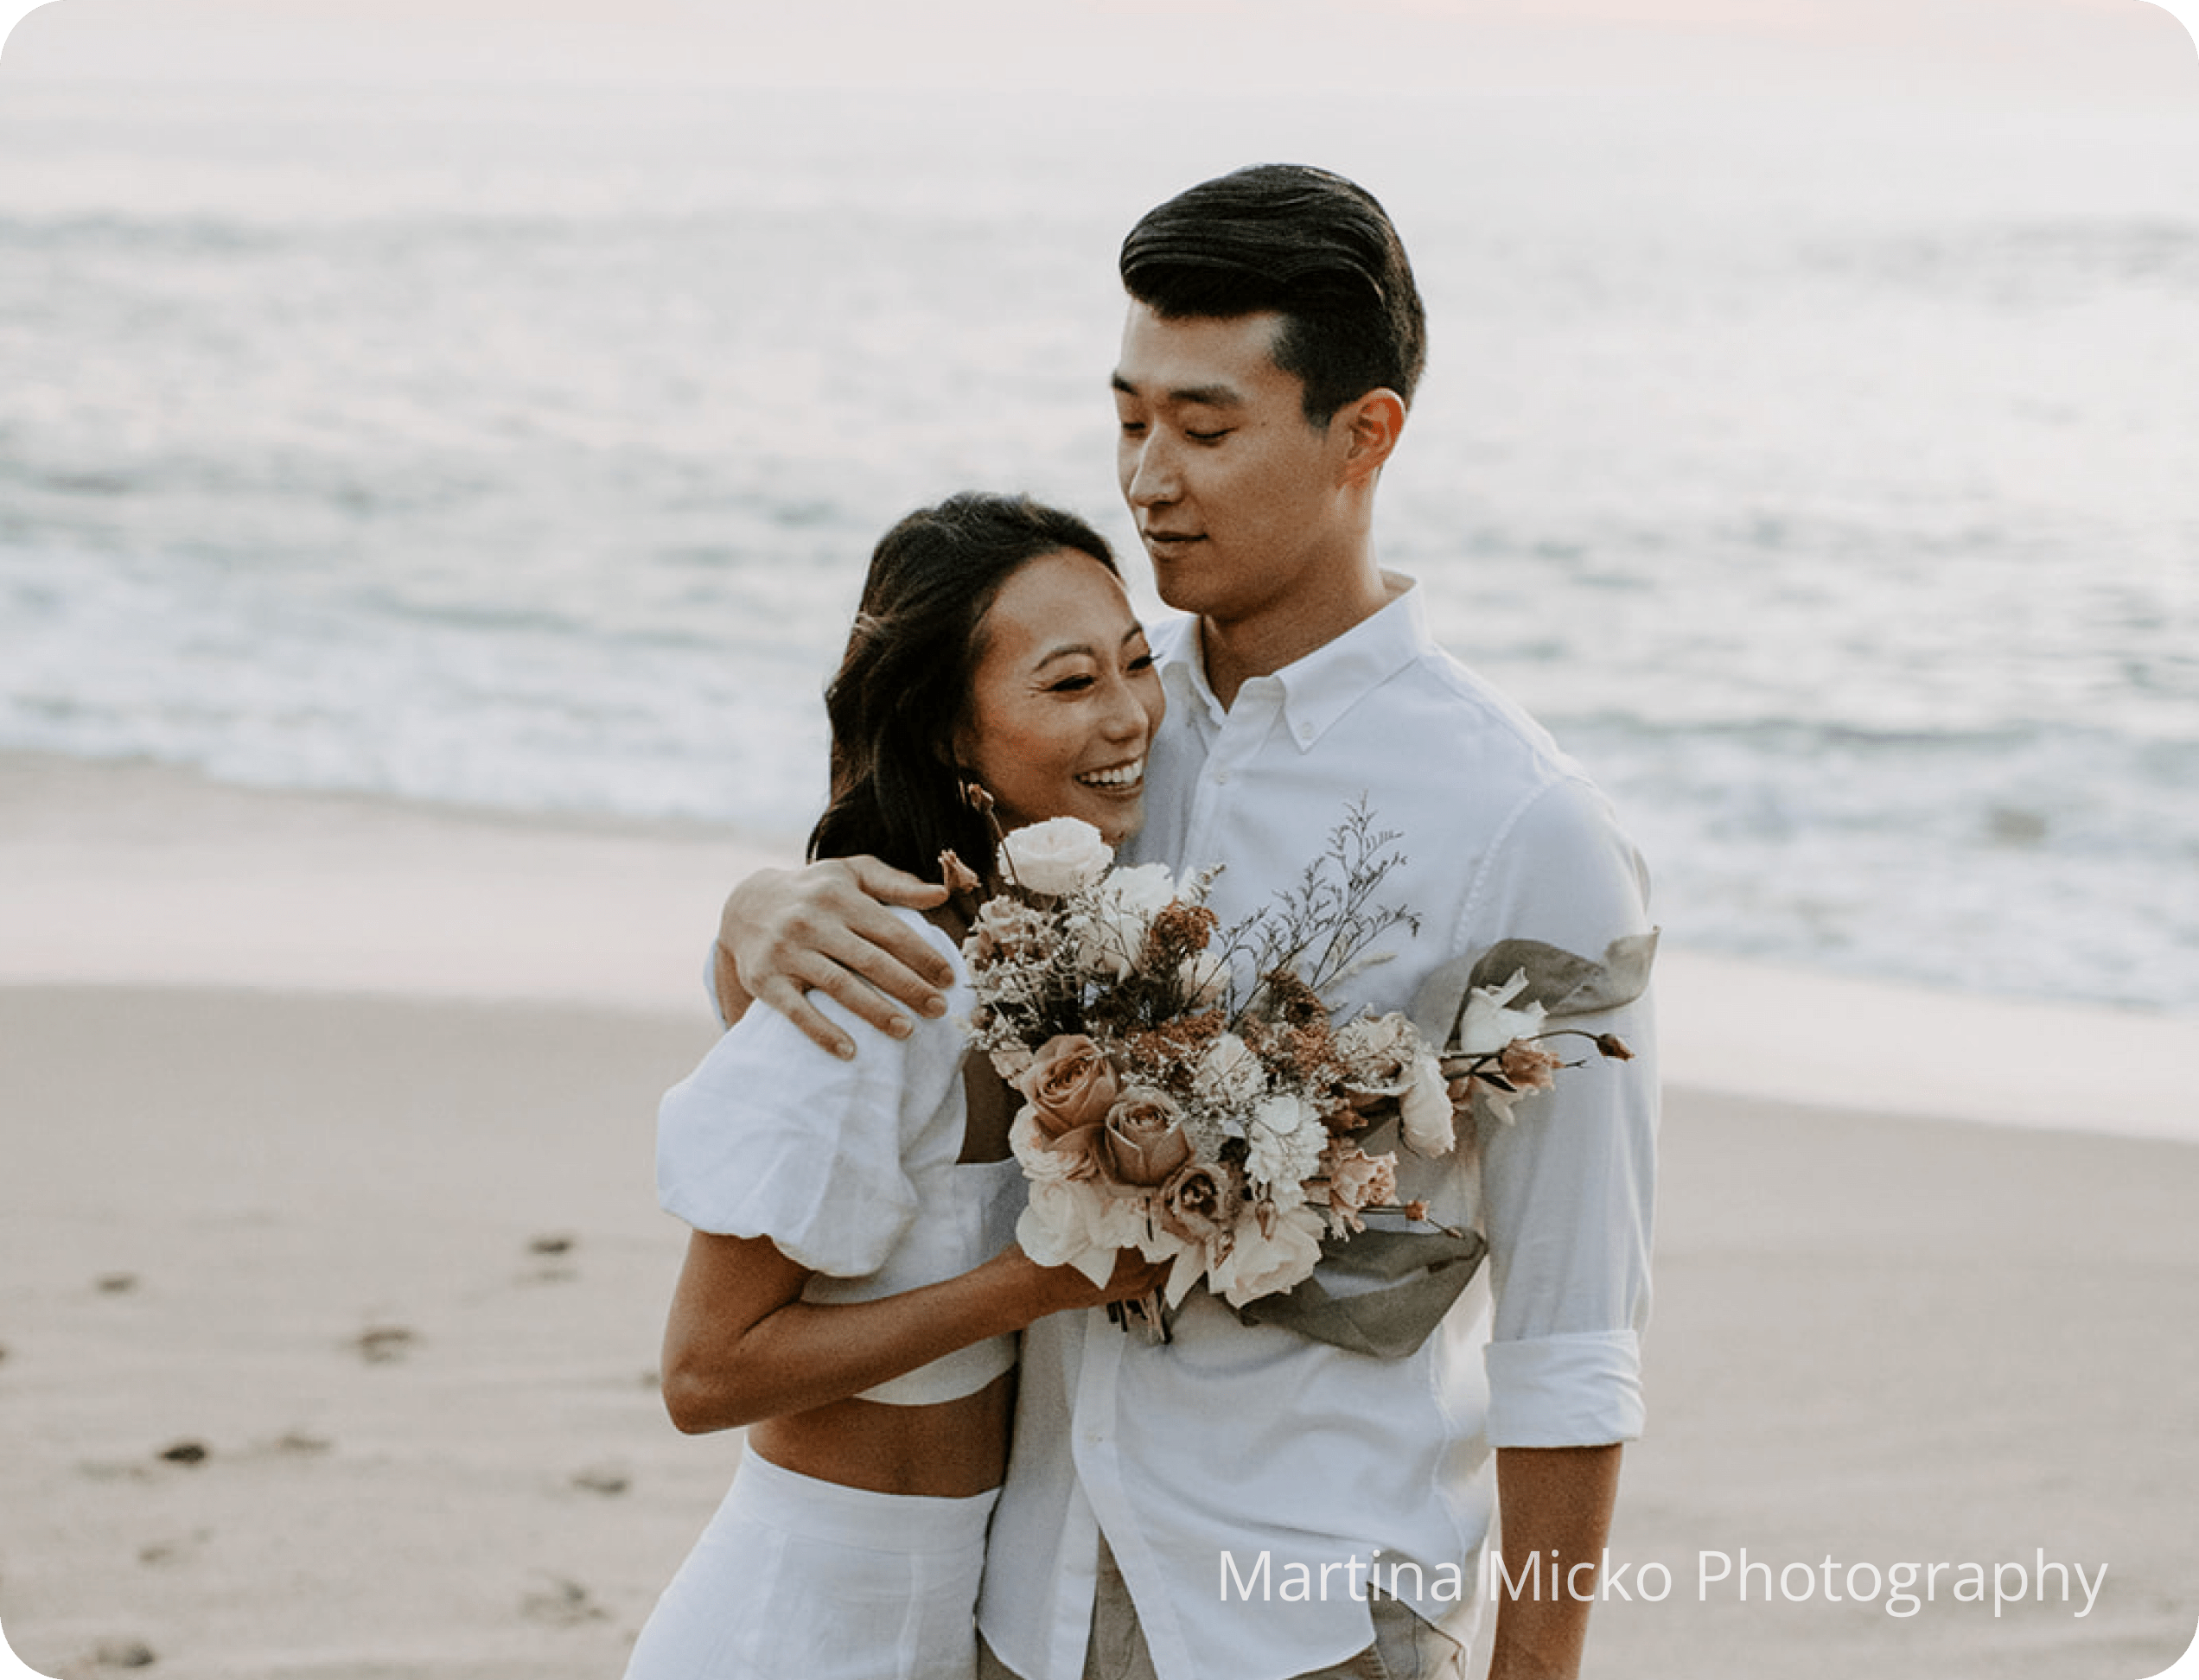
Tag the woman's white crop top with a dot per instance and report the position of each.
(849, 1168)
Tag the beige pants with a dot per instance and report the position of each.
(1405, 1648)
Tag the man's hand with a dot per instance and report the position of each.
(786, 933)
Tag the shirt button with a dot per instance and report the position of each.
(1222, 777)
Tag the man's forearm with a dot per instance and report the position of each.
(1550, 1499)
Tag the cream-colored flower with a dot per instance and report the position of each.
(1059, 855)
(1378, 1052)
(1229, 1076)
(1284, 1138)
(1488, 1024)
(1006, 931)
(1077, 1223)
(1204, 979)
(1264, 1263)
(1425, 1113)
(1110, 939)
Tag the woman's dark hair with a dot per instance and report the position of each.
(1312, 247)
(904, 682)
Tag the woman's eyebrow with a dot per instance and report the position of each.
(1066, 649)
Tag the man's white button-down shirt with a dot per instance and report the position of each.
(1251, 1483)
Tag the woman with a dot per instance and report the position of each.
(852, 1290)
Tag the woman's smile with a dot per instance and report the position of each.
(1064, 698)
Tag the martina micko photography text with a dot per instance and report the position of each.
(1899, 1588)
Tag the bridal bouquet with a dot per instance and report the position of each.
(1165, 1111)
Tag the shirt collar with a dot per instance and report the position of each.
(1320, 688)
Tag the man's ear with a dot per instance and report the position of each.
(1372, 426)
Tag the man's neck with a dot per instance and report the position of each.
(1234, 653)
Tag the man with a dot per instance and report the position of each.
(1217, 1508)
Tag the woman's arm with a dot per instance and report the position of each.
(742, 1344)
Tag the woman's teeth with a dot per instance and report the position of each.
(1123, 775)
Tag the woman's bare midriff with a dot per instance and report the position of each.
(946, 1451)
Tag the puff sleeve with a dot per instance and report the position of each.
(771, 1136)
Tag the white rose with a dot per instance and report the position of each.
(1059, 855)
(1263, 1263)
(1069, 1223)
(1123, 907)
(1489, 1026)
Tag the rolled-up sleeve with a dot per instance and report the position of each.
(1569, 1186)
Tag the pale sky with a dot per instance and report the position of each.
(2086, 51)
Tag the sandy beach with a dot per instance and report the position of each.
(334, 1277)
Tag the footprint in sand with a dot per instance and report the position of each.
(604, 1479)
(552, 1252)
(562, 1604)
(159, 1554)
(382, 1344)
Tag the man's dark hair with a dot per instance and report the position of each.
(904, 682)
(1312, 247)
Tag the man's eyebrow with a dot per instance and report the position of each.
(1205, 396)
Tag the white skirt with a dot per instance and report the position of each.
(797, 1579)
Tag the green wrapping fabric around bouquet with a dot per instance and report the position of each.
(1563, 984)
(1383, 1291)
(1380, 1292)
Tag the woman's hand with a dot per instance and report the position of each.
(784, 933)
(1066, 1290)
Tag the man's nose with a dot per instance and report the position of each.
(1152, 476)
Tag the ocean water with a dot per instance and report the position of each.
(1826, 479)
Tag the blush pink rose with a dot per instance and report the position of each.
(1143, 1138)
(1070, 1084)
